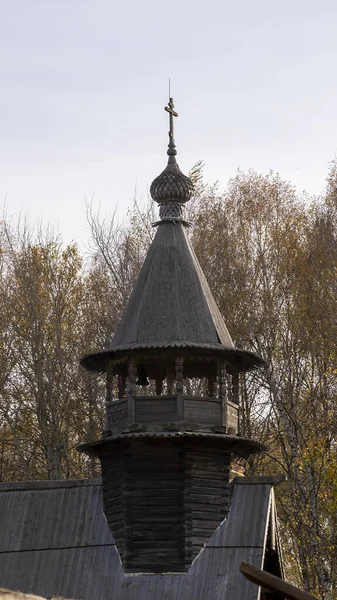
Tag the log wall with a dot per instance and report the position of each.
(163, 498)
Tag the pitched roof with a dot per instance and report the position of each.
(54, 540)
(171, 300)
(172, 305)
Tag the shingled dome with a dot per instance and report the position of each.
(171, 185)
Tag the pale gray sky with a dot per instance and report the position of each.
(83, 84)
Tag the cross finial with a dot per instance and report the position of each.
(172, 112)
(172, 148)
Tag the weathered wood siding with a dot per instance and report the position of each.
(154, 499)
(155, 409)
(201, 410)
(207, 493)
(164, 409)
(117, 414)
(163, 498)
(113, 464)
(232, 417)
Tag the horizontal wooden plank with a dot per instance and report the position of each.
(204, 499)
(150, 402)
(148, 517)
(156, 415)
(161, 419)
(139, 493)
(140, 542)
(202, 405)
(117, 402)
(162, 398)
(115, 409)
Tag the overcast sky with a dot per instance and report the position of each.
(83, 84)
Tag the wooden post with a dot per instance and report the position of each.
(235, 397)
(131, 385)
(210, 387)
(170, 380)
(179, 365)
(121, 386)
(235, 387)
(109, 379)
(108, 396)
(223, 393)
(159, 387)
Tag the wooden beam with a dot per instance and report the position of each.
(273, 584)
(179, 366)
(131, 389)
(223, 393)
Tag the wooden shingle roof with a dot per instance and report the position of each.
(172, 306)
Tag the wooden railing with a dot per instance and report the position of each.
(171, 409)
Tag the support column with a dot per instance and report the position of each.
(131, 389)
(235, 387)
(235, 392)
(121, 386)
(223, 393)
(159, 387)
(108, 396)
(179, 365)
(170, 380)
(109, 380)
(210, 387)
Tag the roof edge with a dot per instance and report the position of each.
(260, 480)
(245, 360)
(47, 484)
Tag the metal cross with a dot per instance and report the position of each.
(172, 112)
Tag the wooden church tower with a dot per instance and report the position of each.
(171, 438)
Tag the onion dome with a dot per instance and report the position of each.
(171, 189)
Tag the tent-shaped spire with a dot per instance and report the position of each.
(172, 438)
(171, 305)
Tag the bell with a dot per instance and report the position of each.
(142, 378)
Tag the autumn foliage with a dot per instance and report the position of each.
(271, 261)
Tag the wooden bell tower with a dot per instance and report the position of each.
(173, 373)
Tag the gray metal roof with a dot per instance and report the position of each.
(172, 305)
(54, 540)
